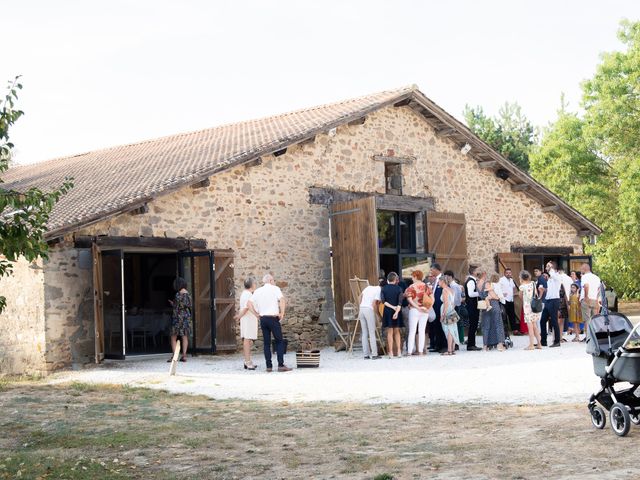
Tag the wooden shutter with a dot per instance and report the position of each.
(202, 302)
(354, 245)
(97, 303)
(225, 301)
(513, 261)
(447, 239)
(576, 261)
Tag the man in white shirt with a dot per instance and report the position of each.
(551, 306)
(589, 295)
(508, 289)
(471, 300)
(369, 300)
(268, 303)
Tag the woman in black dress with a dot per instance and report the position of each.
(391, 296)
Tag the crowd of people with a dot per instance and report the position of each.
(554, 304)
(437, 307)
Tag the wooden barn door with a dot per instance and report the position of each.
(447, 239)
(197, 269)
(354, 246)
(225, 301)
(515, 262)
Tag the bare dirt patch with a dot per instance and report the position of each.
(79, 431)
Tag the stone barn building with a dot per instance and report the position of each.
(388, 181)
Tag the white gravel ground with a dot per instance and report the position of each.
(514, 377)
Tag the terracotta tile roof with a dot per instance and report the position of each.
(122, 178)
(110, 180)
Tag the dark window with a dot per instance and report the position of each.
(393, 178)
(407, 232)
(397, 241)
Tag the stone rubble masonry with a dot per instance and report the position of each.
(262, 213)
(22, 338)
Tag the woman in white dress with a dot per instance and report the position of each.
(248, 322)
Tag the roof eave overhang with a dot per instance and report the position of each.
(413, 98)
(459, 133)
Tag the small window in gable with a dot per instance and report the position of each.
(393, 178)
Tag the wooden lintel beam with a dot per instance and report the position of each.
(488, 163)
(106, 241)
(520, 187)
(550, 208)
(388, 159)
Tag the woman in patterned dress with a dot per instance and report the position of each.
(181, 317)
(527, 290)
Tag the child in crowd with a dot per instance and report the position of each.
(575, 315)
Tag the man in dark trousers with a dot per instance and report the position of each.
(471, 295)
(437, 340)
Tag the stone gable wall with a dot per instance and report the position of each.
(262, 212)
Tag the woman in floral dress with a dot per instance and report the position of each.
(181, 317)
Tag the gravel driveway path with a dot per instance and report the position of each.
(513, 377)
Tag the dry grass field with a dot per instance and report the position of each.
(78, 431)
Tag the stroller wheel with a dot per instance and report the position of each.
(598, 417)
(620, 419)
(635, 419)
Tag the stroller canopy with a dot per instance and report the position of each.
(599, 332)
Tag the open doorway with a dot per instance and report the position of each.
(148, 287)
(132, 289)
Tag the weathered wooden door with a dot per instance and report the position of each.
(447, 239)
(97, 303)
(354, 246)
(198, 270)
(225, 300)
(515, 262)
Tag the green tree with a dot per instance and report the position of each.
(611, 101)
(568, 163)
(23, 215)
(510, 132)
(594, 163)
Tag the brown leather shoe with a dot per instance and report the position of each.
(284, 368)
(269, 369)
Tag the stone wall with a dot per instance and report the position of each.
(68, 302)
(262, 212)
(22, 337)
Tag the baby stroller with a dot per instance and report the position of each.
(614, 344)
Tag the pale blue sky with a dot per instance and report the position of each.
(103, 73)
